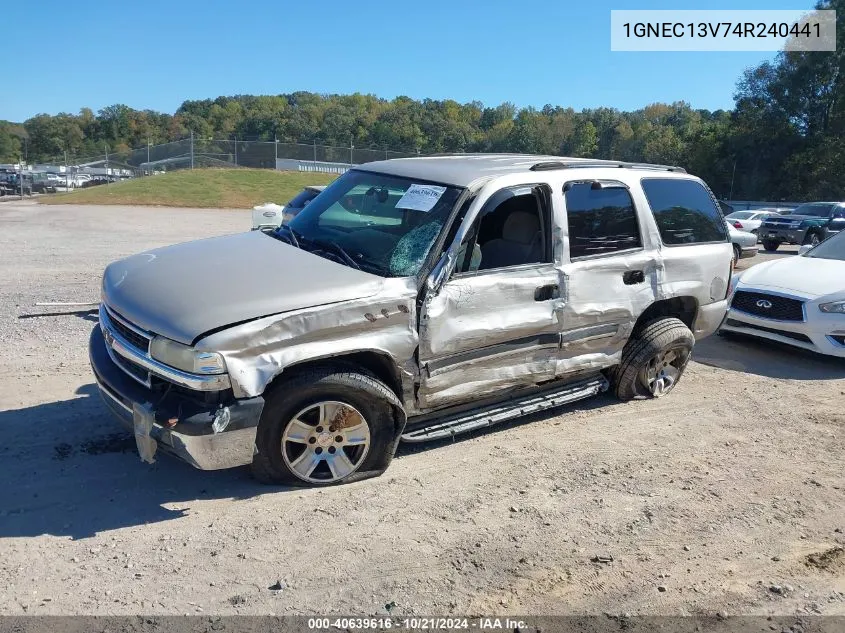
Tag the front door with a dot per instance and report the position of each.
(493, 326)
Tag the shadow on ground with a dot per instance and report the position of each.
(71, 470)
(767, 358)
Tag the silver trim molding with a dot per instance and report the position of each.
(119, 345)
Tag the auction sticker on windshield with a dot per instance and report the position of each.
(420, 197)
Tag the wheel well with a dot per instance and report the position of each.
(683, 308)
(380, 365)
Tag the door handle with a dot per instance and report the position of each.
(631, 277)
(545, 293)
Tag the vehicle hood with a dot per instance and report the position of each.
(186, 290)
(786, 219)
(806, 276)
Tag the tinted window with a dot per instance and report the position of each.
(816, 209)
(304, 196)
(600, 220)
(684, 211)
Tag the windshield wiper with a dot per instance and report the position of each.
(293, 239)
(338, 249)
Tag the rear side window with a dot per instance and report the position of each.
(684, 211)
(601, 220)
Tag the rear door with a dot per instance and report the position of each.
(696, 251)
(610, 274)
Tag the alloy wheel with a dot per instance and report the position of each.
(325, 442)
(663, 371)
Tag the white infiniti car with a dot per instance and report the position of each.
(796, 300)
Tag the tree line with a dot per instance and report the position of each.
(783, 140)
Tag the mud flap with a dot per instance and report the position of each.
(143, 419)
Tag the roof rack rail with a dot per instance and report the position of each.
(571, 164)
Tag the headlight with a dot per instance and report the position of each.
(795, 225)
(186, 358)
(834, 307)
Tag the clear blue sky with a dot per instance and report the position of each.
(155, 54)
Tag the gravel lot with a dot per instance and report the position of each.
(727, 496)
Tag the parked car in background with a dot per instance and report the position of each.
(299, 202)
(744, 243)
(799, 300)
(94, 182)
(750, 220)
(414, 299)
(810, 223)
(42, 183)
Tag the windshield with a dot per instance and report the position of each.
(740, 215)
(817, 209)
(383, 224)
(831, 248)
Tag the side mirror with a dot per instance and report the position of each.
(804, 248)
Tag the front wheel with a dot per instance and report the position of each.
(325, 426)
(654, 361)
(736, 255)
(771, 245)
(812, 239)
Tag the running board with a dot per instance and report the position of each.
(494, 414)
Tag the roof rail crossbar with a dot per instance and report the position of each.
(563, 164)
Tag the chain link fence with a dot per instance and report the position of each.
(195, 152)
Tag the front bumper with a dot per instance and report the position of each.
(175, 420)
(815, 335)
(747, 251)
(790, 236)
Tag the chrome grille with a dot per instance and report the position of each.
(768, 306)
(115, 326)
(136, 371)
(133, 334)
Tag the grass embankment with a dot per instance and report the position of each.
(209, 188)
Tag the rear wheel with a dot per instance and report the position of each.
(736, 255)
(654, 361)
(324, 426)
(771, 245)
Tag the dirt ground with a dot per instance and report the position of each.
(726, 496)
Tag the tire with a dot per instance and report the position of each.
(770, 245)
(292, 414)
(658, 340)
(813, 239)
(736, 255)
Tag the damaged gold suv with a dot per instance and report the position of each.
(412, 300)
